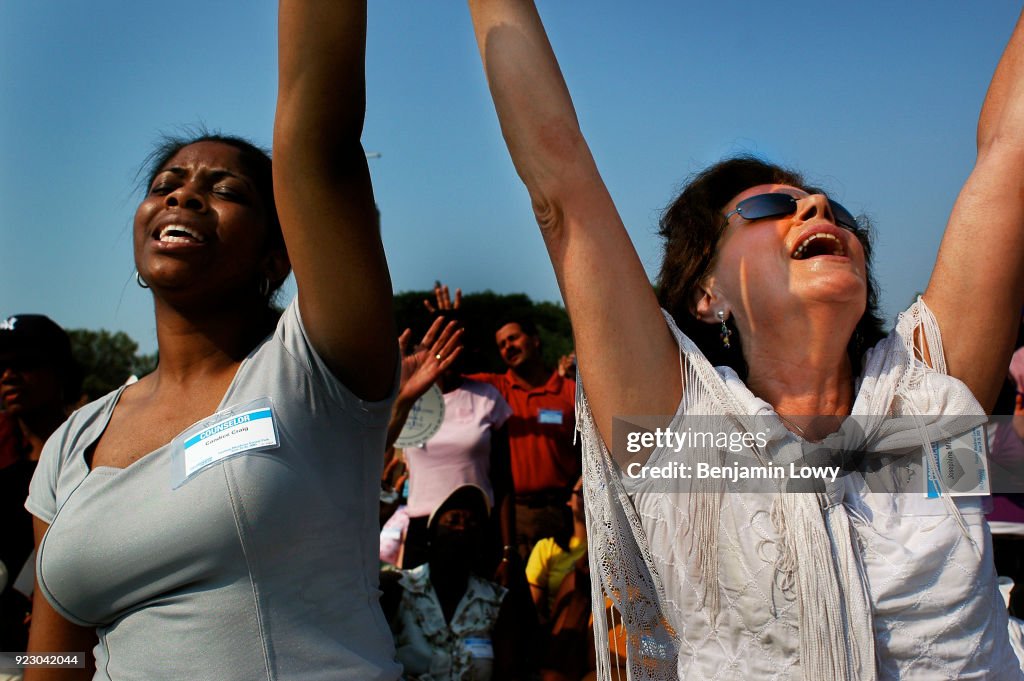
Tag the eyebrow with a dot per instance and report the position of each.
(214, 174)
(795, 193)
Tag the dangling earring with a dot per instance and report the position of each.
(139, 281)
(264, 287)
(725, 331)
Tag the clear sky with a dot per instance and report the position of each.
(877, 101)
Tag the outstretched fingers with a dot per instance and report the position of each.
(430, 337)
(449, 345)
(443, 299)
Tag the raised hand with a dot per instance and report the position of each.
(443, 300)
(436, 351)
(567, 366)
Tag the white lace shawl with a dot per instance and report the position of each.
(816, 548)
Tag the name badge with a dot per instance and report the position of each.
(961, 464)
(553, 416)
(480, 648)
(228, 433)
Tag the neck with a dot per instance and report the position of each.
(803, 370)
(450, 381)
(531, 373)
(207, 341)
(447, 573)
(450, 580)
(37, 428)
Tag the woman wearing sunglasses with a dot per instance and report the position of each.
(764, 326)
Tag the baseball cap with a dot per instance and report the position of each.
(468, 495)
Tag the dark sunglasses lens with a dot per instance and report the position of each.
(766, 206)
(778, 205)
(843, 217)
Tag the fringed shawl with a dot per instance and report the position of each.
(817, 591)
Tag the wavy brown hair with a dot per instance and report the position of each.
(691, 227)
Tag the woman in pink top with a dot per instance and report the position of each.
(471, 446)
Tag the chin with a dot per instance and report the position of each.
(14, 408)
(184, 281)
(837, 287)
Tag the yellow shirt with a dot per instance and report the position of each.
(549, 565)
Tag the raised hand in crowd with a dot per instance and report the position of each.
(567, 366)
(443, 300)
(431, 357)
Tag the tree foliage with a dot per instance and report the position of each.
(107, 360)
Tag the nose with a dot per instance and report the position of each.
(185, 196)
(814, 206)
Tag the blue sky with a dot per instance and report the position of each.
(877, 101)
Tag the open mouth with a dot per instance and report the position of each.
(819, 243)
(177, 234)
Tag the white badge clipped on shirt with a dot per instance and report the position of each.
(551, 416)
(962, 465)
(480, 648)
(237, 430)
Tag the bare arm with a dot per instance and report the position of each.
(603, 283)
(323, 193)
(540, 602)
(501, 479)
(51, 633)
(504, 504)
(977, 285)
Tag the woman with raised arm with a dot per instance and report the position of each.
(769, 279)
(218, 518)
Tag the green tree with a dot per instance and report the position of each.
(107, 360)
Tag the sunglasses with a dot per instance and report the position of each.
(780, 205)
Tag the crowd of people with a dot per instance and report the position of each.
(306, 493)
(511, 438)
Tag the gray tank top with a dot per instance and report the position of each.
(261, 566)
